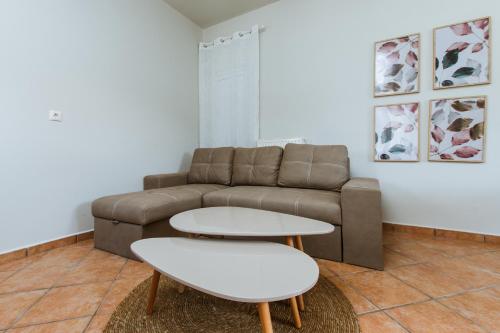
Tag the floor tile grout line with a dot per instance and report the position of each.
(356, 291)
(32, 263)
(107, 293)
(463, 316)
(410, 285)
(407, 329)
(51, 322)
(23, 313)
(48, 290)
(443, 296)
(395, 306)
(455, 257)
(23, 291)
(72, 268)
(8, 276)
(473, 290)
(402, 255)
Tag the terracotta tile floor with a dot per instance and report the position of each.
(429, 285)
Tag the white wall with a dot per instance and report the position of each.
(316, 82)
(124, 72)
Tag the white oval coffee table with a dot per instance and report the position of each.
(238, 221)
(248, 222)
(243, 271)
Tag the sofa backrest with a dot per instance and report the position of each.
(256, 166)
(212, 166)
(324, 167)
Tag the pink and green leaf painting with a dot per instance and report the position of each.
(457, 129)
(397, 66)
(397, 132)
(462, 54)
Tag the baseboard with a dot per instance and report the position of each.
(45, 246)
(442, 233)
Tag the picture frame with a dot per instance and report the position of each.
(457, 129)
(462, 54)
(397, 132)
(397, 66)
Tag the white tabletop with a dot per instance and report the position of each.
(237, 221)
(245, 271)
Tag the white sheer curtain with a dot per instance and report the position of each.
(229, 90)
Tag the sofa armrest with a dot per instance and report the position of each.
(165, 180)
(362, 223)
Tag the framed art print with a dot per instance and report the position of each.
(462, 54)
(397, 66)
(457, 129)
(397, 133)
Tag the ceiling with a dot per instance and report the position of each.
(209, 12)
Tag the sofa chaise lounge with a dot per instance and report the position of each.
(307, 180)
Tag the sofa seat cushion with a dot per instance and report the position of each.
(211, 166)
(315, 204)
(321, 167)
(256, 166)
(152, 205)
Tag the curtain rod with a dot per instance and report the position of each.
(262, 28)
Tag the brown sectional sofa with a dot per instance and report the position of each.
(305, 180)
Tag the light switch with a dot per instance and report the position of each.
(55, 115)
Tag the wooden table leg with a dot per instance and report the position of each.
(265, 317)
(295, 313)
(152, 292)
(298, 245)
(298, 242)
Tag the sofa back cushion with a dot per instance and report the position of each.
(212, 166)
(313, 166)
(256, 166)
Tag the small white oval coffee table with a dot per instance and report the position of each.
(243, 271)
(248, 222)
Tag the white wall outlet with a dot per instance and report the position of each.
(55, 115)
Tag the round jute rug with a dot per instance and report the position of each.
(327, 310)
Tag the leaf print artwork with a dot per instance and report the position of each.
(457, 129)
(459, 124)
(477, 131)
(463, 72)
(438, 134)
(462, 107)
(450, 58)
(461, 29)
(462, 54)
(477, 47)
(460, 138)
(387, 135)
(396, 132)
(466, 152)
(458, 46)
(387, 47)
(437, 116)
(397, 66)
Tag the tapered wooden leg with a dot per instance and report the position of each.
(152, 292)
(300, 300)
(265, 317)
(298, 243)
(295, 312)
(299, 246)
